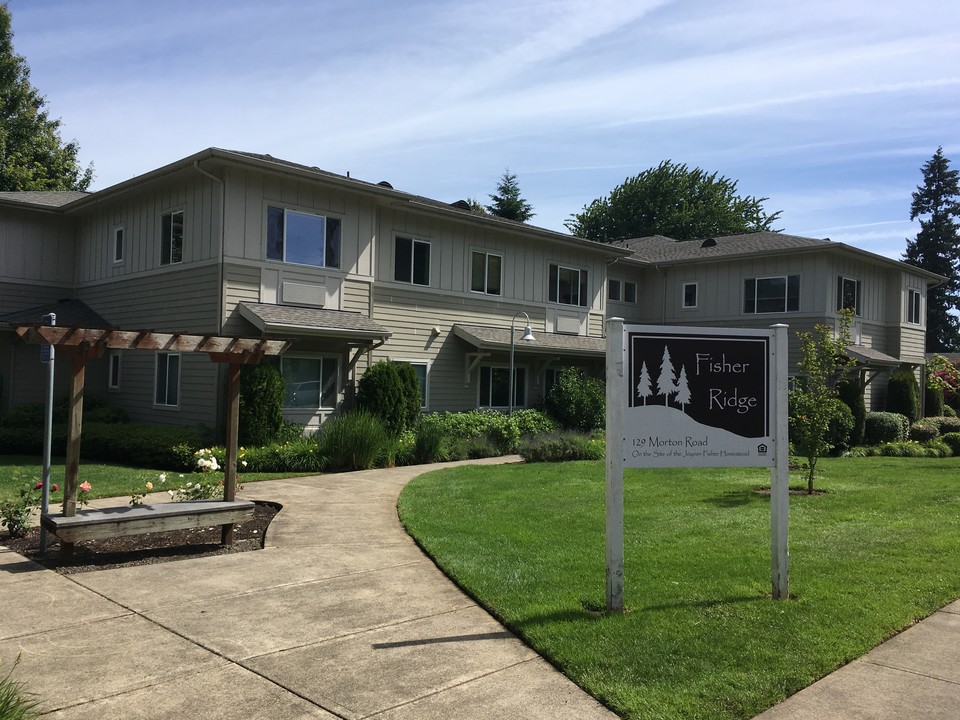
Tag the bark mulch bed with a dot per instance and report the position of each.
(148, 548)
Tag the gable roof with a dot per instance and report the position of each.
(43, 198)
(661, 250)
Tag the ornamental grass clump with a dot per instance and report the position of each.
(15, 702)
(354, 441)
(562, 447)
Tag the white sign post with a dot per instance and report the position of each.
(696, 397)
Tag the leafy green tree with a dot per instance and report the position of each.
(675, 201)
(937, 248)
(32, 155)
(577, 401)
(391, 392)
(815, 405)
(507, 203)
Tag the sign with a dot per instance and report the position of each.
(46, 349)
(697, 397)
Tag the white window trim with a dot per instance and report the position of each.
(486, 266)
(301, 211)
(414, 239)
(116, 356)
(156, 363)
(858, 311)
(683, 296)
(582, 302)
(171, 212)
(914, 292)
(523, 403)
(120, 230)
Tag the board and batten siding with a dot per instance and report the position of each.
(36, 247)
(249, 192)
(139, 214)
(412, 317)
(525, 265)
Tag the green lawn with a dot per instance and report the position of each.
(702, 638)
(106, 480)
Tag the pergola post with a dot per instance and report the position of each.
(75, 424)
(233, 427)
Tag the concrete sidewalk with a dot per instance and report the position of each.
(340, 616)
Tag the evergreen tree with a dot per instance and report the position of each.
(507, 203)
(665, 383)
(32, 155)
(937, 248)
(683, 389)
(675, 201)
(644, 390)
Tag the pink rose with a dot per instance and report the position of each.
(55, 487)
(38, 485)
(85, 486)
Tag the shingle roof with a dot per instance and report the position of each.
(44, 198)
(485, 337)
(70, 313)
(661, 250)
(295, 319)
(872, 356)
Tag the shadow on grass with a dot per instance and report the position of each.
(707, 603)
(735, 498)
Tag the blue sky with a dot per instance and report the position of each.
(826, 107)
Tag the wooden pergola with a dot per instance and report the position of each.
(82, 343)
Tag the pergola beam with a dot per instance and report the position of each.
(149, 340)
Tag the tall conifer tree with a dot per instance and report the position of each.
(937, 248)
(32, 155)
(508, 203)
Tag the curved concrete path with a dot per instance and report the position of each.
(340, 616)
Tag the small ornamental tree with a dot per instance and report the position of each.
(815, 404)
(262, 393)
(903, 395)
(943, 374)
(576, 401)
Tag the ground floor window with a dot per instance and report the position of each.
(495, 386)
(311, 382)
(114, 380)
(420, 368)
(167, 384)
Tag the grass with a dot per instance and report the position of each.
(701, 638)
(106, 480)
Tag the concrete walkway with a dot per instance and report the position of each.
(340, 616)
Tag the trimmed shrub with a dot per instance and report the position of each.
(944, 424)
(384, 393)
(949, 411)
(885, 427)
(932, 449)
(952, 440)
(841, 428)
(562, 447)
(933, 401)
(472, 449)
(851, 393)
(577, 401)
(262, 394)
(410, 385)
(903, 395)
(354, 441)
(34, 415)
(481, 428)
(534, 422)
(923, 432)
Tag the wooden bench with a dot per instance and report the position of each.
(139, 519)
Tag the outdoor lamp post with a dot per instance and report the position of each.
(528, 337)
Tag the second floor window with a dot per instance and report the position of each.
(411, 261)
(171, 238)
(118, 245)
(771, 294)
(486, 273)
(913, 307)
(568, 286)
(848, 294)
(690, 295)
(302, 238)
(613, 290)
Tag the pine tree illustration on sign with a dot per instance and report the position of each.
(666, 382)
(683, 389)
(644, 389)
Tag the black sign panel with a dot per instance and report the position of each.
(719, 381)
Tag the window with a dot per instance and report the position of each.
(495, 386)
(629, 292)
(118, 244)
(420, 368)
(486, 273)
(167, 385)
(772, 294)
(613, 290)
(913, 307)
(302, 238)
(171, 238)
(113, 382)
(690, 295)
(848, 294)
(568, 286)
(412, 261)
(312, 382)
